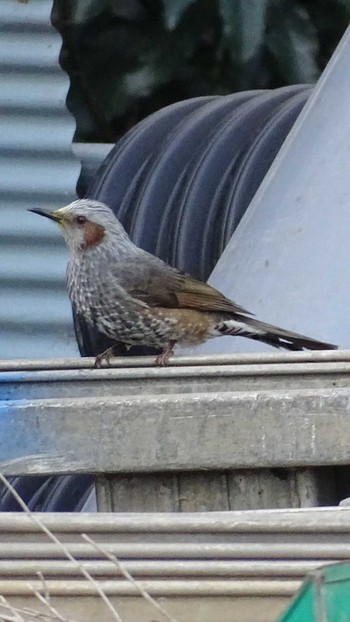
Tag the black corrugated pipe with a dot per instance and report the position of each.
(179, 181)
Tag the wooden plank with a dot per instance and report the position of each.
(203, 492)
(137, 493)
(176, 432)
(258, 489)
(312, 487)
(281, 488)
(161, 492)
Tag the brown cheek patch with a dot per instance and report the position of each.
(93, 234)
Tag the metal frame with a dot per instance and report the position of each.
(181, 418)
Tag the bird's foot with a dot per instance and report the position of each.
(163, 358)
(106, 356)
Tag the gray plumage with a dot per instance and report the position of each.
(135, 298)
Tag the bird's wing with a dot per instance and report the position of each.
(156, 284)
(195, 294)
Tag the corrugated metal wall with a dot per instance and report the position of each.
(37, 168)
(224, 566)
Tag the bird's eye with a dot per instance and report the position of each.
(81, 220)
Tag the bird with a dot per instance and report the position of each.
(135, 298)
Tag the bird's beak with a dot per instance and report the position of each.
(55, 216)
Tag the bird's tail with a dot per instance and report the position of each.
(272, 335)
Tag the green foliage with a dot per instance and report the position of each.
(128, 58)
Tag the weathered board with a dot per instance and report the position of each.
(194, 431)
(206, 434)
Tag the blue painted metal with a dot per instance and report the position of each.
(37, 168)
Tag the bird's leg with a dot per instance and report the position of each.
(163, 358)
(107, 355)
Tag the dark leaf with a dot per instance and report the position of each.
(244, 27)
(87, 10)
(346, 5)
(293, 43)
(173, 11)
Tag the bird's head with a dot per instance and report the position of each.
(87, 224)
